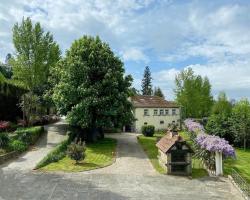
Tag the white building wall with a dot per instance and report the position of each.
(152, 119)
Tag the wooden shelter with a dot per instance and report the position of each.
(175, 155)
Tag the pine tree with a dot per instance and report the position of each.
(158, 92)
(146, 82)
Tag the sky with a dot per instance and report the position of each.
(212, 37)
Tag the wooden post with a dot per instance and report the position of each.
(218, 163)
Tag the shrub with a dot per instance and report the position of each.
(148, 130)
(18, 145)
(55, 155)
(4, 140)
(29, 135)
(76, 151)
(25, 137)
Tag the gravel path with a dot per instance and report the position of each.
(130, 158)
(55, 133)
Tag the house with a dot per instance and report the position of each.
(174, 154)
(154, 110)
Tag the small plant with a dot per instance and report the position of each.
(17, 145)
(148, 130)
(76, 151)
(4, 140)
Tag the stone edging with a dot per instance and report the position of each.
(8, 156)
(237, 187)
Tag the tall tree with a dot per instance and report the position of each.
(219, 122)
(92, 89)
(35, 53)
(158, 92)
(193, 94)
(241, 122)
(147, 82)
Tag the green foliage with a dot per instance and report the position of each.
(158, 92)
(193, 94)
(219, 122)
(148, 130)
(76, 151)
(92, 89)
(5, 70)
(35, 53)
(55, 155)
(241, 122)
(18, 145)
(4, 140)
(29, 135)
(147, 82)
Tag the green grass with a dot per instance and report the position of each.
(99, 154)
(148, 144)
(241, 164)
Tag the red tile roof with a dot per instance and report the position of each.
(144, 101)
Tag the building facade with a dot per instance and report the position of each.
(153, 110)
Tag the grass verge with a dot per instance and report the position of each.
(99, 154)
(241, 164)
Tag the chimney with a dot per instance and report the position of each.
(173, 133)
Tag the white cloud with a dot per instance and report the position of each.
(134, 54)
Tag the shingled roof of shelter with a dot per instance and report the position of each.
(166, 142)
(145, 101)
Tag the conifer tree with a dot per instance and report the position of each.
(147, 82)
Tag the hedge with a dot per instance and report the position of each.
(33, 133)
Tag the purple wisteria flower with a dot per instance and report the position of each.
(211, 143)
(214, 143)
(193, 126)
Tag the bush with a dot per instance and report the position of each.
(18, 145)
(148, 130)
(29, 135)
(4, 140)
(76, 151)
(55, 155)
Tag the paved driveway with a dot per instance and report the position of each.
(131, 177)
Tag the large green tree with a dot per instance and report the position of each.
(35, 53)
(219, 122)
(193, 94)
(241, 122)
(147, 82)
(158, 92)
(92, 89)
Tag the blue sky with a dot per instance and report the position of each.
(212, 37)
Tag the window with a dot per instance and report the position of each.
(166, 112)
(161, 122)
(155, 112)
(161, 112)
(145, 123)
(173, 112)
(146, 112)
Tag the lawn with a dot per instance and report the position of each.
(148, 144)
(99, 154)
(241, 164)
